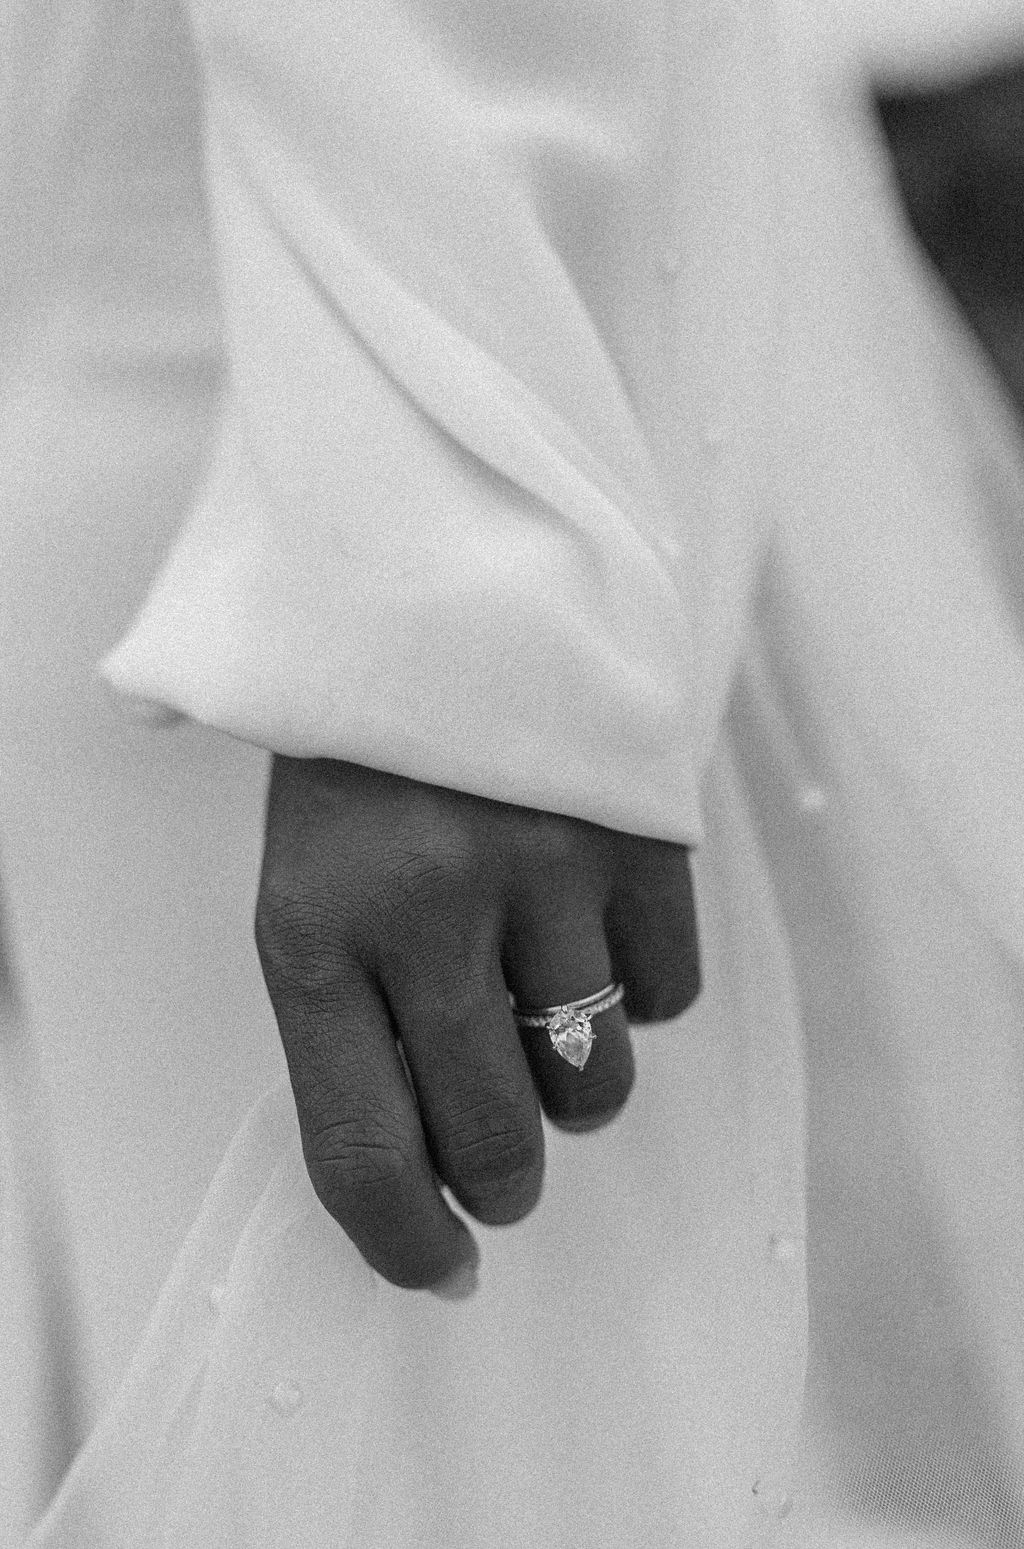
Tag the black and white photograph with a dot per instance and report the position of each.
(512, 774)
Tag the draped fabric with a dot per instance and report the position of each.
(493, 247)
(594, 438)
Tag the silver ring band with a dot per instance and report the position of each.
(568, 1026)
(593, 1005)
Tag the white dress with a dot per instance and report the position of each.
(597, 440)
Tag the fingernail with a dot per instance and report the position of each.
(460, 1284)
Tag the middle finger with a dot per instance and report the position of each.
(471, 1079)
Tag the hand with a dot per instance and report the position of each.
(394, 910)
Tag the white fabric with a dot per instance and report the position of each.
(492, 248)
(453, 305)
(922, 42)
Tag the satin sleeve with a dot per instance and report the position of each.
(501, 302)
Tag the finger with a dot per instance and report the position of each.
(651, 924)
(550, 959)
(362, 1138)
(472, 1082)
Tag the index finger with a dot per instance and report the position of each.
(362, 1138)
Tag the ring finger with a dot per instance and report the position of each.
(553, 964)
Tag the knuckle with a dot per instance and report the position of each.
(552, 844)
(420, 881)
(450, 979)
(350, 1160)
(440, 957)
(492, 1154)
(299, 938)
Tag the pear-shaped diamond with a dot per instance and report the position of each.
(572, 1036)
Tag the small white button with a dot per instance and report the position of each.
(671, 262)
(812, 798)
(714, 438)
(216, 1297)
(784, 1249)
(286, 1397)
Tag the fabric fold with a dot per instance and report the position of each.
(373, 567)
(474, 452)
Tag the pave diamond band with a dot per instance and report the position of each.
(593, 1005)
(568, 1026)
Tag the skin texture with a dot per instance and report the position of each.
(391, 910)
